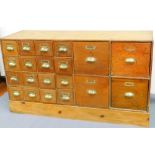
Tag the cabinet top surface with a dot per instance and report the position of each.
(82, 35)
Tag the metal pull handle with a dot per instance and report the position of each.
(12, 63)
(63, 66)
(130, 60)
(28, 64)
(90, 59)
(63, 49)
(47, 81)
(14, 78)
(65, 97)
(90, 47)
(9, 48)
(45, 65)
(31, 94)
(129, 95)
(30, 80)
(48, 96)
(91, 92)
(64, 82)
(16, 93)
(44, 49)
(26, 48)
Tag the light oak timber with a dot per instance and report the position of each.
(137, 118)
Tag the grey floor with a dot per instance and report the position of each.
(13, 120)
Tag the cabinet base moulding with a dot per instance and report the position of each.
(82, 113)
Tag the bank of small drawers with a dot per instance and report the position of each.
(82, 73)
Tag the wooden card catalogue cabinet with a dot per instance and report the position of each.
(98, 76)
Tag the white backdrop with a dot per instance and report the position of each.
(16, 15)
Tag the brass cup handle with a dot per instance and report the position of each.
(130, 60)
(28, 64)
(64, 82)
(65, 97)
(63, 66)
(63, 49)
(12, 63)
(48, 96)
(90, 59)
(47, 81)
(32, 95)
(16, 93)
(44, 49)
(26, 48)
(10, 48)
(14, 78)
(45, 65)
(30, 80)
(129, 95)
(91, 92)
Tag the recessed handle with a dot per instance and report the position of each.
(31, 94)
(44, 49)
(48, 96)
(30, 80)
(130, 60)
(90, 59)
(129, 95)
(63, 66)
(9, 48)
(16, 93)
(64, 82)
(45, 65)
(63, 49)
(12, 63)
(91, 92)
(28, 64)
(47, 81)
(14, 78)
(65, 97)
(26, 48)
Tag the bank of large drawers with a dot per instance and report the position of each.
(82, 73)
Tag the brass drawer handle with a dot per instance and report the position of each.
(64, 82)
(90, 59)
(91, 92)
(44, 49)
(90, 48)
(28, 64)
(16, 93)
(65, 97)
(47, 81)
(26, 48)
(31, 94)
(48, 96)
(63, 66)
(129, 95)
(63, 49)
(14, 78)
(30, 80)
(45, 65)
(9, 48)
(130, 60)
(12, 63)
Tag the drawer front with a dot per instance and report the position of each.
(31, 94)
(63, 66)
(48, 95)
(92, 91)
(10, 48)
(131, 59)
(63, 49)
(15, 93)
(30, 79)
(44, 48)
(12, 63)
(46, 80)
(129, 94)
(91, 58)
(65, 96)
(14, 78)
(27, 48)
(28, 63)
(64, 82)
(45, 64)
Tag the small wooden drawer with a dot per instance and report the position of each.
(63, 66)
(92, 91)
(11, 63)
(65, 96)
(131, 59)
(63, 49)
(31, 94)
(28, 63)
(46, 80)
(15, 93)
(10, 48)
(48, 95)
(64, 82)
(129, 93)
(45, 64)
(30, 79)
(44, 48)
(14, 78)
(91, 58)
(27, 48)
